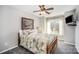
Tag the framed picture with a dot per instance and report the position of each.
(27, 23)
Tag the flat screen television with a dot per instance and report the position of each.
(69, 19)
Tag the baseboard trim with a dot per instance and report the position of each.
(8, 49)
(69, 43)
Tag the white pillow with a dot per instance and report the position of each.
(27, 32)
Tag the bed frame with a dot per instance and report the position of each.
(50, 47)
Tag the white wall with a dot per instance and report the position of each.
(77, 36)
(41, 23)
(69, 34)
(69, 31)
(77, 31)
(10, 24)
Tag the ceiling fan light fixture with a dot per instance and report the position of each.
(42, 13)
(43, 10)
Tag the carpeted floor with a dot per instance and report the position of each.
(62, 48)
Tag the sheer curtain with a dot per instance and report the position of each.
(55, 26)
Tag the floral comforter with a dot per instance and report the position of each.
(36, 42)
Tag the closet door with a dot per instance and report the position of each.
(77, 37)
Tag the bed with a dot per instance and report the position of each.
(38, 43)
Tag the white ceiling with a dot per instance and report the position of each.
(58, 9)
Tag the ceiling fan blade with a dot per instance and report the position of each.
(37, 11)
(47, 12)
(50, 9)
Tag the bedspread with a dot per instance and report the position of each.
(36, 42)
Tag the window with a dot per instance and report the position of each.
(54, 26)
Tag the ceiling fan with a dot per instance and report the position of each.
(44, 10)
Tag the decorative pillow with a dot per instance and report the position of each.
(25, 32)
(28, 31)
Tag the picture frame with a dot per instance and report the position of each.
(27, 23)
